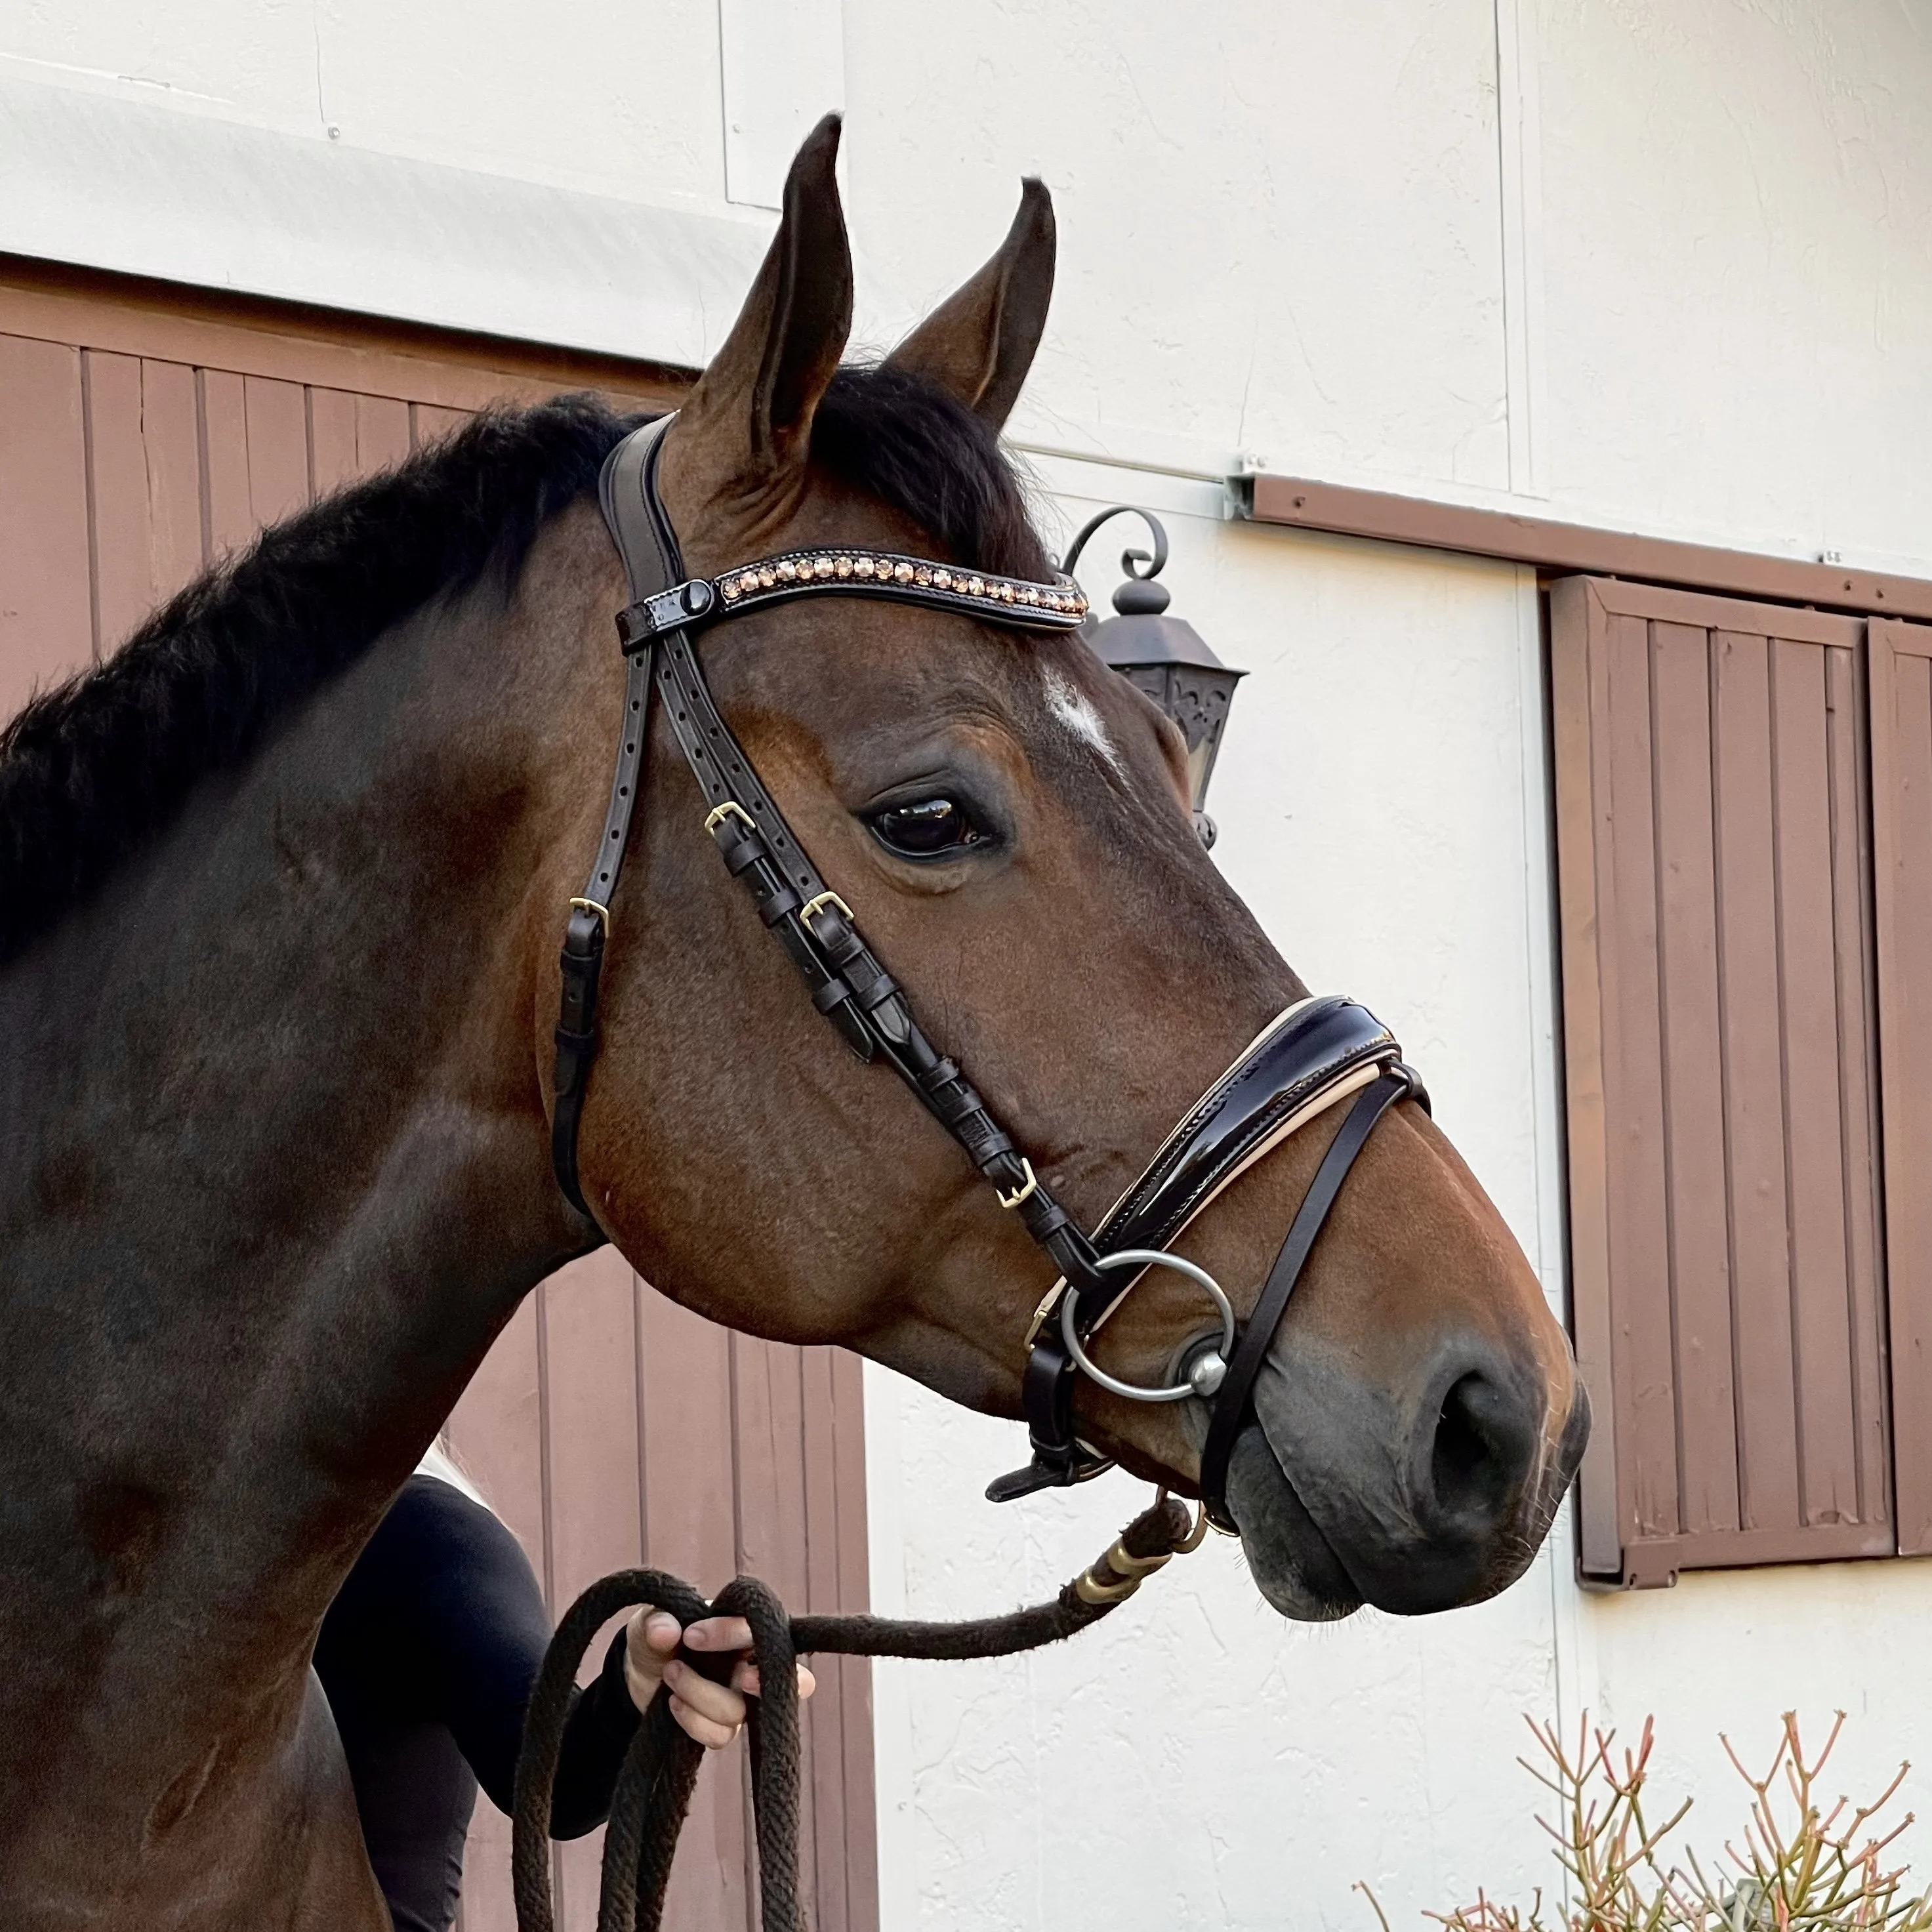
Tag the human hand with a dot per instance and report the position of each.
(712, 1713)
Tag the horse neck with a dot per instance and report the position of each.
(276, 1168)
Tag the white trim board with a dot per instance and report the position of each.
(106, 183)
(98, 180)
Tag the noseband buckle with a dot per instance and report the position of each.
(1024, 1192)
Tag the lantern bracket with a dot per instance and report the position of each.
(1138, 566)
(1164, 657)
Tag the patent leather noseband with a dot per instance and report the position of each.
(1317, 1054)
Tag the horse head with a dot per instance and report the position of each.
(1008, 820)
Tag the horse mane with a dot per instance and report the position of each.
(93, 768)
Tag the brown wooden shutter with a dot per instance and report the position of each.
(1901, 768)
(1714, 883)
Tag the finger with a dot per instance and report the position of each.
(719, 1634)
(719, 1702)
(712, 1735)
(661, 1630)
(649, 1640)
(745, 1679)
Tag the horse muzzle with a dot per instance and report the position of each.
(1416, 1496)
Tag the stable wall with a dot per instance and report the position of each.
(1664, 264)
(1195, 1761)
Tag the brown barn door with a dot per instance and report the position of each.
(609, 1427)
(145, 433)
(1901, 762)
(1720, 1053)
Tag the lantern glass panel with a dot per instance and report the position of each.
(1197, 699)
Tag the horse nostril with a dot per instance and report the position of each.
(1484, 1445)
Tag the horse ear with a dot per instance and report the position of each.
(754, 403)
(980, 342)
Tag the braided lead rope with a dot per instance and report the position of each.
(655, 1784)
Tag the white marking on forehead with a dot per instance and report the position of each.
(1075, 709)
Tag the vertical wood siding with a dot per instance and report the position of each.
(1901, 760)
(143, 435)
(122, 478)
(1721, 1043)
(47, 590)
(610, 1427)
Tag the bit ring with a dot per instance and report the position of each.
(1146, 1257)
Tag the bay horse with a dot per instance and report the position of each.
(280, 889)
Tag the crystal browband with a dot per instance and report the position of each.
(1013, 601)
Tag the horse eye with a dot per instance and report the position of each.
(934, 828)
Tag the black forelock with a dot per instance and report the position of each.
(916, 446)
(91, 769)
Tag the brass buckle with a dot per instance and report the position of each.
(1041, 1315)
(602, 911)
(730, 809)
(818, 904)
(1020, 1194)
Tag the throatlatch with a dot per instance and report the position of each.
(1318, 1052)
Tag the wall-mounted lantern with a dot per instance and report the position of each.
(1166, 656)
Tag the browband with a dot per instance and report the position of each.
(1013, 601)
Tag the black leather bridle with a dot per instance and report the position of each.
(1318, 1052)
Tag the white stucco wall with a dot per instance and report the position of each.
(1380, 795)
(1665, 264)
(1230, 1769)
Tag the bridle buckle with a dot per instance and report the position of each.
(818, 903)
(1018, 1194)
(730, 809)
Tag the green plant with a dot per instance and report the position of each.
(1796, 1867)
